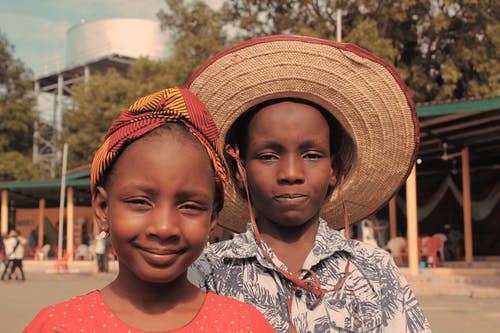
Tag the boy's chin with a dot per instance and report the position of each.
(291, 222)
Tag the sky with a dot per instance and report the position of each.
(37, 28)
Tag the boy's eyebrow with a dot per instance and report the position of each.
(278, 146)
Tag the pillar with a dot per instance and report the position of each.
(467, 205)
(41, 221)
(4, 224)
(412, 221)
(70, 231)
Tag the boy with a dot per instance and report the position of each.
(320, 134)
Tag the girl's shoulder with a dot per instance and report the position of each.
(69, 314)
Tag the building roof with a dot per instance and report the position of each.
(447, 127)
(453, 124)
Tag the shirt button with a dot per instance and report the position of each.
(357, 323)
(298, 293)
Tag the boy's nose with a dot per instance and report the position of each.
(291, 170)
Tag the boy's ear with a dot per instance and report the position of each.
(333, 174)
(100, 208)
(239, 181)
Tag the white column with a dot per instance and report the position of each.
(5, 213)
(412, 222)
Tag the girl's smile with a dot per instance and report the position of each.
(160, 257)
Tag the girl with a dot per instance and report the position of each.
(157, 187)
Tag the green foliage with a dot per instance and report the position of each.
(17, 115)
(14, 166)
(103, 98)
(197, 32)
(442, 49)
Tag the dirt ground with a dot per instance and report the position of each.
(20, 301)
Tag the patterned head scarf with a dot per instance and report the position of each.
(171, 105)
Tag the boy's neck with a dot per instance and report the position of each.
(301, 239)
(303, 234)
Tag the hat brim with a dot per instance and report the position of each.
(363, 92)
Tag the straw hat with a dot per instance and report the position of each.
(363, 92)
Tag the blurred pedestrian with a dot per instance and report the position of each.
(14, 249)
(101, 252)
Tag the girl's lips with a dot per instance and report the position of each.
(160, 257)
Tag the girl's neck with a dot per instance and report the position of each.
(145, 294)
(153, 306)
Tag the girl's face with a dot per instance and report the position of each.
(158, 206)
(288, 163)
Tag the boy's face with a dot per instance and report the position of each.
(158, 206)
(288, 163)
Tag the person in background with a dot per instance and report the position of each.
(319, 135)
(157, 184)
(101, 252)
(3, 258)
(14, 249)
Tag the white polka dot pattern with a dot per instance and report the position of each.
(89, 314)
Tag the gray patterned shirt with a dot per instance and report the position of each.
(374, 298)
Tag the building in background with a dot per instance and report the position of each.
(91, 47)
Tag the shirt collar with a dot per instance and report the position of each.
(327, 242)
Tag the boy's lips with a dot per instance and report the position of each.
(289, 197)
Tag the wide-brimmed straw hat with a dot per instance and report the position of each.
(362, 91)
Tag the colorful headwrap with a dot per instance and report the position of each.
(171, 105)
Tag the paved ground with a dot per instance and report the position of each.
(20, 301)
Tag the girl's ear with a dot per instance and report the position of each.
(213, 222)
(100, 208)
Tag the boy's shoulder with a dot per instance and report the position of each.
(240, 246)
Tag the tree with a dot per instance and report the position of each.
(99, 101)
(443, 49)
(198, 33)
(15, 166)
(17, 116)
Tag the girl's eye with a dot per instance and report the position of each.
(193, 207)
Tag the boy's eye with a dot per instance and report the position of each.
(267, 157)
(137, 202)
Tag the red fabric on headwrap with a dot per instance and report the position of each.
(171, 105)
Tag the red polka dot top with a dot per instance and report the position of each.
(89, 314)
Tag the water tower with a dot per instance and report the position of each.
(91, 47)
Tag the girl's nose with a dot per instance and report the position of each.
(291, 170)
(164, 224)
